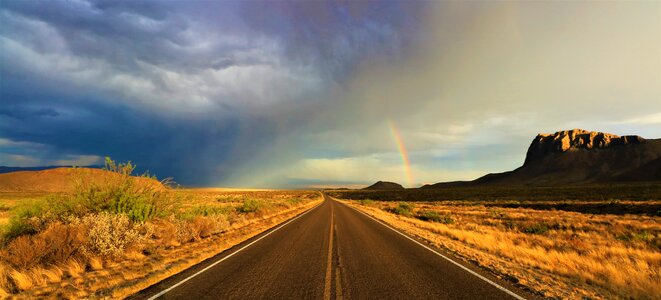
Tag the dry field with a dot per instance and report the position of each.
(554, 253)
(111, 238)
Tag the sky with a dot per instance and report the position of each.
(280, 94)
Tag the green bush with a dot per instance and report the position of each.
(432, 216)
(294, 201)
(25, 220)
(121, 194)
(366, 202)
(642, 236)
(250, 205)
(403, 209)
(205, 211)
(537, 228)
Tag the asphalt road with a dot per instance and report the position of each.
(331, 251)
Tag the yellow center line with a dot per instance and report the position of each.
(327, 288)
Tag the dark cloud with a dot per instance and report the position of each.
(193, 90)
(338, 35)
(26, 113)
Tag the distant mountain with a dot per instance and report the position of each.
(578, 156)
(384, 185)
(4, 169)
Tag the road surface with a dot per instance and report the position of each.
(330, 252)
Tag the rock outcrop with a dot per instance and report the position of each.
(577, 157)
(385, 185)
(567, 140)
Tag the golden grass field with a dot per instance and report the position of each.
(79, 244)
(553, 253)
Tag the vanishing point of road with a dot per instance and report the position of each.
(330, 252)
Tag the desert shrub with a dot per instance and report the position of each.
(294, 201)
(433, 216)
(174, 231)
(109, 235)
(121, 194)
(510, 224)
(237, 218)
(205, 211)
(366, 202)
(56, 244)
(25, 220)
(24, 251)
(497, 213)
(63, 242)
(536, 228)
(184, 233)
(166, 233)
(137, 207)
(250, 205)
(641, 237)
(203, 227)
(403, 209)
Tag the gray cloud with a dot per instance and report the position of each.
(287, 93)
(25, 113)
(191, 90)
(152, 58)
(503, 72)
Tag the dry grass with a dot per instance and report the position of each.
(101, 255)
(52, 275)
(95, 263)
(555, 253)
(74, 268)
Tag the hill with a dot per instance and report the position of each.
(578, 157)
(385, 185)
(5, 169)
(57, 180)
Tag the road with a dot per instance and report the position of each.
(330, 252)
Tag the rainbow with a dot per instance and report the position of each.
(402, 151)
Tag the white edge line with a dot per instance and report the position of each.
(163, 292)
(502, 288)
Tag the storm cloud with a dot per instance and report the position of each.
(188, 90)
(292, 94)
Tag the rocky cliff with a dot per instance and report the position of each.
(579, 156)
(575, 139)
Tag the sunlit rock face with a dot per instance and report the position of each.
(567, 140)
(577, 157)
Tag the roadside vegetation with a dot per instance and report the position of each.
(558, 254)
(107, 235)
(611, 194)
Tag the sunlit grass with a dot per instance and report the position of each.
(558, 253)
